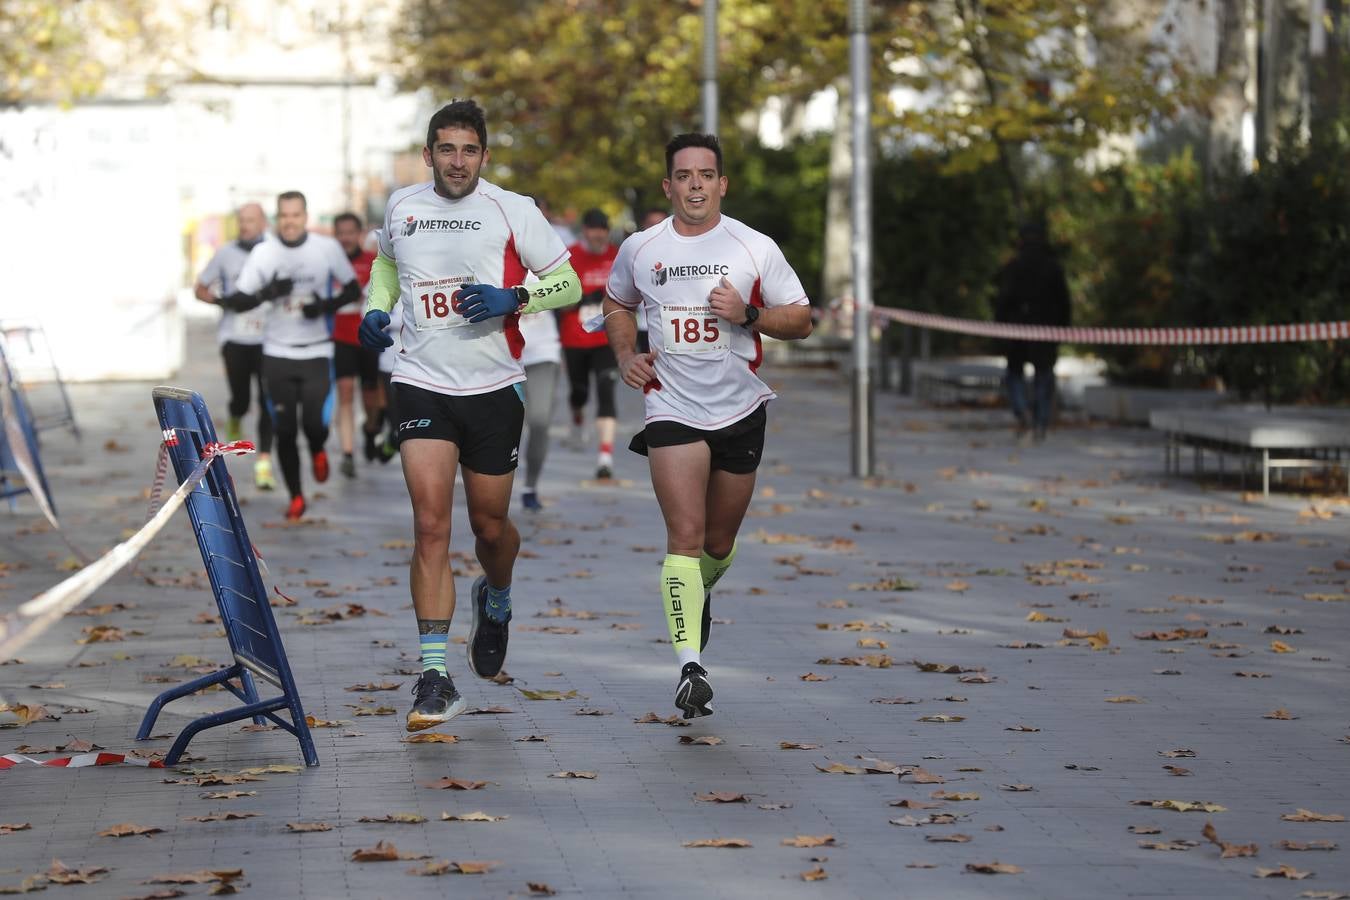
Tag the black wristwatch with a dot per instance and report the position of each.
(751, 315)
(522, 295)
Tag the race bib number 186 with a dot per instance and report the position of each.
(435, 305)
(694, 329)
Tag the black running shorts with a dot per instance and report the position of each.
(486, 427)
(355, 361)
(735, 448)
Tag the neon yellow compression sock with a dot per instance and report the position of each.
(713, 568)
(682, 593)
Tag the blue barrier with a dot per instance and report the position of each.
(240, 593)
(18, 404)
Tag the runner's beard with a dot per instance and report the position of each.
(443, 185)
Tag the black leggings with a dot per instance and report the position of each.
(243, 364)
(299, 393)
(581, 362)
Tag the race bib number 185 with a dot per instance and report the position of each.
(435, 305)
(694, 329)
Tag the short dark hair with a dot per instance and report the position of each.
(692, 139)
(458, 113)
(347, 217)
(292, 195)
(595, 218)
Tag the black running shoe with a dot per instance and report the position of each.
(604, 473)
(694, 693)
(347, 466)
(372, 447)
(487, 638)
(436, 701)
(707, 622)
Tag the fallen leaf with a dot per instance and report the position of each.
(722, 797)
(222, 816)
(794, 745)
(1021, 728)
(1309, 845)
(589, 711)
(1284, 871)
(383, 851)
(718, 842)
(808, 840)
(304, 827)
(227, 795)
(895, 701)
(1176, 634)
(548, 695)
(1178, 844)
(775, 806)
(1281, 647)
(1018, 788)
(994, 868)
(706, 740)
(941, 718)
(956, 796)
(273, 769)
(203, 876)
(129, 829)
(488, 711)
(1177, 770)
(816, 874)
(394, 819)
(1124, 699)
(314, 722)
(539, 889)
(1304, 815)
(477, 816)
(835, 768)
(1282, 714)
(915, 804)
(59, 873)
(1144, 829)
(432, 737)
(11, 827)
(456, 784)
(1252, 674)
(1180, 752)
(589, 776)
(922, 776)
(532, 739)
(1182, 805)
(812, 676)
(652, 718)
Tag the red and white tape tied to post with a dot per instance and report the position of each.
(80, 761)
(1225, 334)
(49, 606)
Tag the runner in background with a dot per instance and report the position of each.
(587, 353)
(351, 361)
(542, 359)
(240, 336)
(303, 279)
(654, 216)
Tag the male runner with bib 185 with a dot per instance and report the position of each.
(454, 253)
(306, 278)
(710, 286)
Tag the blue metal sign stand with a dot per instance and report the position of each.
(240, 594)
(8, 464)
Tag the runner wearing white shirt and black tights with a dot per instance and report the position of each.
(240, 336)
(454, 254)
(303, 279)
(710, 286)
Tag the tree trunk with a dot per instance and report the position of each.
(838, 261)
(1284, 48)
(1229, 103)
(1326, 67)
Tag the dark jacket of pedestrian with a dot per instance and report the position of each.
(1032, 290)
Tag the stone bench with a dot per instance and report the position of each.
(1280, 438)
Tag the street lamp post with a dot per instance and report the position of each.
(863, 447)
(710, 66)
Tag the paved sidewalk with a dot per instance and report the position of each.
(969, 552)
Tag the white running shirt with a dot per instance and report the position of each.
(224, 269)
(492, 236)
(705, 365)
(319, 268)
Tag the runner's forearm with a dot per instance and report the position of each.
(786, 323)
(557, 289)
(621, 328)
(382, 292)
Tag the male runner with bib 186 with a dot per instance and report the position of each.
(710, 286)
(454, 253)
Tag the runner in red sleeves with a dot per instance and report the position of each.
(351, 361)
(588, 354)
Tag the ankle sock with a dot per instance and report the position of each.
(433, 634)
(499, 603)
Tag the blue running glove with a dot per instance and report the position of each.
(480, 302)
(372, 333)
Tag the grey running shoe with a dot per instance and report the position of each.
(436, 701)
(487, 637)
(693, 694)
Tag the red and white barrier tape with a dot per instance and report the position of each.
(49, 606)
(1228, 334)
(80, 761)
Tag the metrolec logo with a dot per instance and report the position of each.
(412, 224)
(693, 272)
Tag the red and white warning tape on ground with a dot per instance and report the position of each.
(49, 606)
(1228, 334)
(80, 761)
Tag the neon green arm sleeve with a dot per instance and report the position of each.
(557, 289)
(382, 291)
